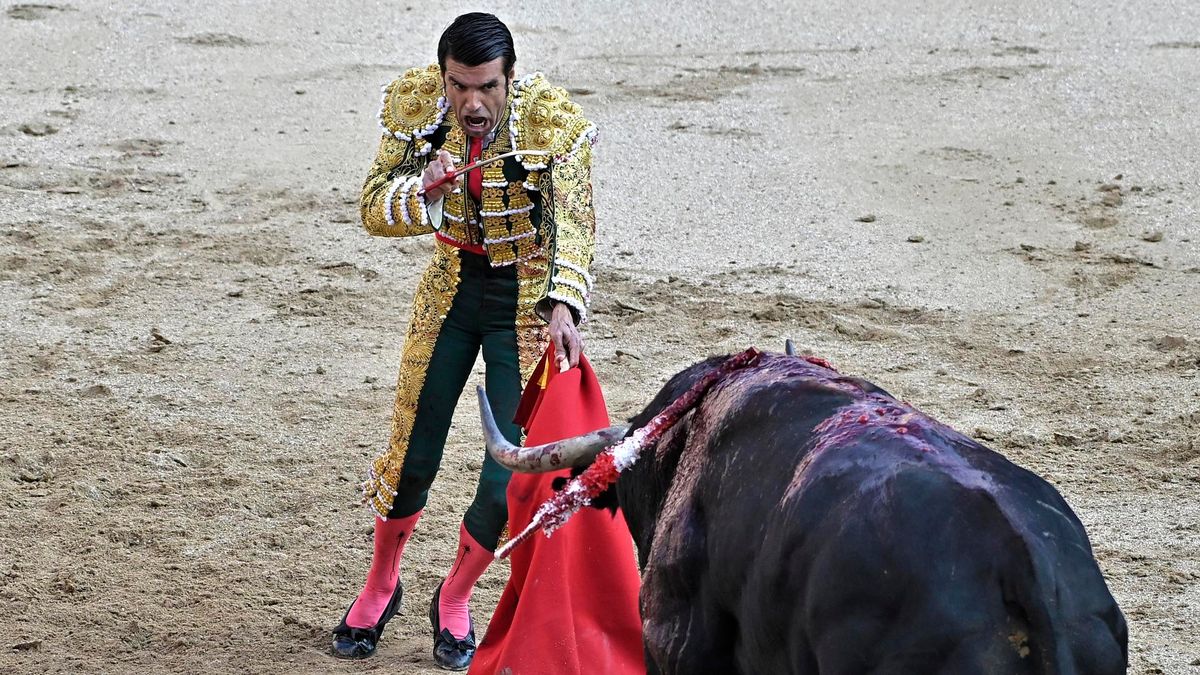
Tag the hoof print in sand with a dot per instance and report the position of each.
(1102, 213)
(216, 40)
(37, 129)
(33, 12)
(140, 147)
(1176, 45)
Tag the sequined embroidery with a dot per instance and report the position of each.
(435, 293)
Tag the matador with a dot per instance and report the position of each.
(514, 241)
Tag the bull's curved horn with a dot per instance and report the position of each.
(564, 454)
(789, 348)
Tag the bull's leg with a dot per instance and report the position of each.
(686, 637)
(651, 666)
(684, 629)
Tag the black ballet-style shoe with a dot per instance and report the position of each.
(449, 652)
(359, 643)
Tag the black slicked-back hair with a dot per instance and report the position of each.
(477, 38)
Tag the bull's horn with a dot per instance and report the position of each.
(789, 348)
(564, 454)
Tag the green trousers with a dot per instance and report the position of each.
(476, 310)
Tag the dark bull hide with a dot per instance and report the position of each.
(801, 521)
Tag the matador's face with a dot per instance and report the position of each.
(477, 94)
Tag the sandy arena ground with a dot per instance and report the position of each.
(987, 208)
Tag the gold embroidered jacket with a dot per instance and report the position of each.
(533, 206)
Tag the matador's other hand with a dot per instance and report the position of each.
(437, 169)
(568, 344)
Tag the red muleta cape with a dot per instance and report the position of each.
(571, 603)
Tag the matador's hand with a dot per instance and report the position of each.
(568, 344)
(437, 169)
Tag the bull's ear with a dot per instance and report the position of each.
(789, 348)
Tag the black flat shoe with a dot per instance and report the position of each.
(359, 643)
(449, 652)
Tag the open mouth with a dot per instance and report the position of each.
(474, 123)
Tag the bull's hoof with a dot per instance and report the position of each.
(359, 643)
(449, 652)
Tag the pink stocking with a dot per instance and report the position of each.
(473, 559)
(390, 536)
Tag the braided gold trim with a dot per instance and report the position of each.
(532, 334)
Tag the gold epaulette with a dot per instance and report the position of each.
(414, 106)
(544, 118)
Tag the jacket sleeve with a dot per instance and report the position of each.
(574, 241)
(390, 205)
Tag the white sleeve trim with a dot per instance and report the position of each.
(391, 196)
(579, 307)
(404, 190)
(587, 278)
(573, 284)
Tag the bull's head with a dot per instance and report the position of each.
(564, 454)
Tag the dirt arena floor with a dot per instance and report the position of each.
(989, 209)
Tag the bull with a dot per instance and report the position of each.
(797, 520)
